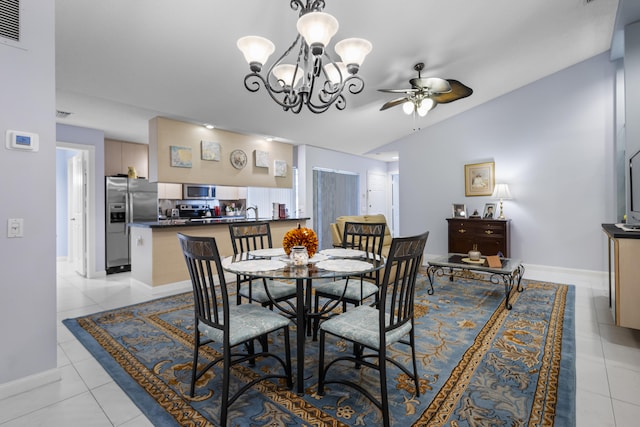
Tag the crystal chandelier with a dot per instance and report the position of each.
(305, 74)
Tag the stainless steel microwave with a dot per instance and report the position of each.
(198, 191)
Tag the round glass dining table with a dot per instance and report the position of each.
(330, 264)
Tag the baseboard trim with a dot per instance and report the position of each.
(29, 383)
(573, 276)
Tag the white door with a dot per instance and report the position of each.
(376, 194)
(77, 212)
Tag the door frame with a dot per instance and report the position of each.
(90, 222)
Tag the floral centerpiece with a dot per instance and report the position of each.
(300, 236)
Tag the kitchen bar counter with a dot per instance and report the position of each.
(164, 223)
(156, 256)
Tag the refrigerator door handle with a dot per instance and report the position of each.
(129, 212)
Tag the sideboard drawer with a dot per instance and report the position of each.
(490, 235)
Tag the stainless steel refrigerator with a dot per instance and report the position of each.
(127, 200)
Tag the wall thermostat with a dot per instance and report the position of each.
(25, 141)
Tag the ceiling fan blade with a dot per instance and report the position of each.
(393, 103)
(409, 91)
(458, 91)
(434, 84)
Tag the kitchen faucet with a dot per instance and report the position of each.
(246, 211)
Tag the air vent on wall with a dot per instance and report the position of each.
(10, 20)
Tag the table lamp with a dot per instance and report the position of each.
(501, 191)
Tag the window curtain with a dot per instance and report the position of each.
(334, 194)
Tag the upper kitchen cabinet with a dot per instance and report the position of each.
(230, 193)
(119, 155)
(169, 191)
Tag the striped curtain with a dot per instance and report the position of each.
(335, 193)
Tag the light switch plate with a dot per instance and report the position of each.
(15, 227)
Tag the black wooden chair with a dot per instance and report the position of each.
(373, 329)
(227, 324)
(363, 236)
(250, 237)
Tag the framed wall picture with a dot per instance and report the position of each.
(459, 210)
(280, 168)
(262, 159)
(180, 157)
(489, 211)
(479, 179)
(210, 150)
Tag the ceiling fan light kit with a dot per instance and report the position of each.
(314, 79)
(426, 93)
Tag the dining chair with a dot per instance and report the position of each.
(229, 325)
(250, 237)
(372, 329)
(363, 236)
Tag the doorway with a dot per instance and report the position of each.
(75, 204)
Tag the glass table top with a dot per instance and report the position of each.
(461, 261)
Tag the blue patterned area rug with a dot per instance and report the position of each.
(480, 364)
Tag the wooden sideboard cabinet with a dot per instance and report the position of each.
(624, 275)
(491, 235)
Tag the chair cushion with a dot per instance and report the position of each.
(247, 321)
(278, 290)
(361, 325)
(353, 289)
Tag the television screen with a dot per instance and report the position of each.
(633, 216)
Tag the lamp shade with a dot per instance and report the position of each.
(353, 51)
(501, 191)
(408, 107)
(317, 28)
(336, 72)
(284, 74)
(255, 49)
(425, 106)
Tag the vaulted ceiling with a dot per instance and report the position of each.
(121, 62)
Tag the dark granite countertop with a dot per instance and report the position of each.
(618, 233)
(166, 223)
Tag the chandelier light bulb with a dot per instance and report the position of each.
(353, 51)
(336, 72)
(317, 28)
(256, 50)
(425, 106)
(285, 74)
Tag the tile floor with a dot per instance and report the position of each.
(608, 361)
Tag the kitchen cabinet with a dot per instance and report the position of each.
(169, 191)
(491, 235)
(230, 193)
(119, 155)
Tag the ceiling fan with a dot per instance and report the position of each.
(426, 93)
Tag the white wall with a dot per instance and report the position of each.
(27, 264)
(552, 142)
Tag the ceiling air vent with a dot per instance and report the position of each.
(62, 114)
(10, 20)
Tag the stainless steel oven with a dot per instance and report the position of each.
(198, 191)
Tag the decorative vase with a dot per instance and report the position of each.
(299, 256)
(132, 172)
(474, 254)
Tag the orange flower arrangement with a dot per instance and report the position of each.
(301, 236)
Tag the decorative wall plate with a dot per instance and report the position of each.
(238, 159)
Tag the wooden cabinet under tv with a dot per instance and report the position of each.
(491, 235)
